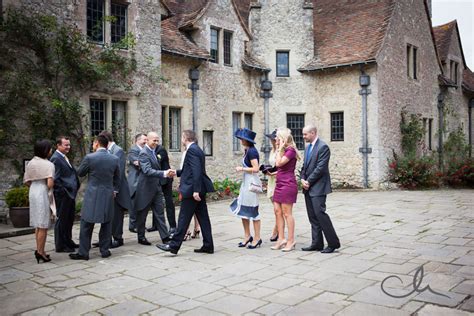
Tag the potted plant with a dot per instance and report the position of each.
(17, 200)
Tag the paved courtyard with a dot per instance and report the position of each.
(382, 234)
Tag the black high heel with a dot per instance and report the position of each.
(196, 234)
(274, 238)
(39, 257)
(241, 244)
(258, 244)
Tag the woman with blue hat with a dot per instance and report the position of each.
(246, 205)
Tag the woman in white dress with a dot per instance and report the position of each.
(39, 175)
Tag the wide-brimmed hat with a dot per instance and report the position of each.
(245, 134)
(272, 135)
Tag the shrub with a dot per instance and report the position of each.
(459, 173)
(412, 172)
(227, 187)
(18, 197)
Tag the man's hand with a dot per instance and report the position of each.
(170, 173)
(305, 184)
(136, 163)
(115, 194)
(196, 196)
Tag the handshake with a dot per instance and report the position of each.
(170, 173)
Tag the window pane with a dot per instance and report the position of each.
(248, 121)
(337, 126)
(119, 22)
(283, 68)
(227, 48)
(97, 112)
(414, 62)
(235, 126)
(119, 123)
(175, 129)
(95, 20)
(214, 45)
(295, 122)
(207, 142)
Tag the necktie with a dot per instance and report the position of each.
(67, 160)
(308, 154)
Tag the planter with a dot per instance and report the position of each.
(20, 216)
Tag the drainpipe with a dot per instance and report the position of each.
(266, 87)
(194, 76)
(364, 82)
(471, 105)
(440, 128)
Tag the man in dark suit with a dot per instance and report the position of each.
(133, 173)
(316, 183)
(98, 206)
(167, 188)
(66, 184)
(122, 200)
(193, 188)
(149, 194)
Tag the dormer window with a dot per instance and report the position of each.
(454, 69)
(214, 45)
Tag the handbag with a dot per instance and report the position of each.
(256, 185)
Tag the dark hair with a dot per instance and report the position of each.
(102, 140)
(190, 135)
(59, 140)
(138, 136)
(247, 143)
(107, 135)
(42, 148)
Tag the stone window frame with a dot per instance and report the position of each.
(208, 146)
(454, 71)
(214, 56)
(115, 24)
(230, 46)
(296, 125)
(412, 61)
(337, 126)
(171, 134)
(428, 129)
(107, 24)
(282, 51)
(240, 120)
(105, 121)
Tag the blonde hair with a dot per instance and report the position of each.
(285, 137)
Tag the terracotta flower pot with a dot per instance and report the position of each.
(20, 216)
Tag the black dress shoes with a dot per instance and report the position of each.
(329, 249)
(133, 230)
(144, 241)
(166, 240)
(167, 248)
(116, 243)
(151, 229)
(106, 254)
(65, 250)
(312, 248)
(74, 245)
(77, 256)
(204, 250)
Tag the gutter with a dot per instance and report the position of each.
(339, 65)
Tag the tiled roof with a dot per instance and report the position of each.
(442, 34)
(173, 41)
(251, 62)
(445, 81)
(468, 80)
(348, 32)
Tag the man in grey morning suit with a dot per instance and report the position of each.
(149, 192)
(122, 200)
(133, 173)
(98, 206)
(316, 183)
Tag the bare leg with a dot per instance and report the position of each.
(41, 241)
(246, 224)
(256, 227)
(290, 221)
(280, 222)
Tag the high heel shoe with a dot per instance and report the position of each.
(258, 244)
(39, 257)
(274, 238)
(244, 244)
(280, 245)
(187, 236)
(289, 247)
(195, 234)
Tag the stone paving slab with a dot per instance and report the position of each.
(382, 234)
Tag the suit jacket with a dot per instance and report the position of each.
(66, 181)
(133, 171)
(149, 178)
(164, 163)
(123, 196)
(316, 170)
(193, 175)
(104, 178)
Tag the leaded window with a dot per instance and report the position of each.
(283, 64)
(97, 115)
(118, 23)
(174, 129)
(227, 48)
(337, 126)
(214, 45)
(95, 20)
(236, 123)
(295, 122)
(248, 120)
(207, 138)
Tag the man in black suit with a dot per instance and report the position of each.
(122, 200)
(167, 188)
(193, 188)
(133, 173)
(66, 184)
(316, 183)
(148, 194)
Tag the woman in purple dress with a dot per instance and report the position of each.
(286, 189)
